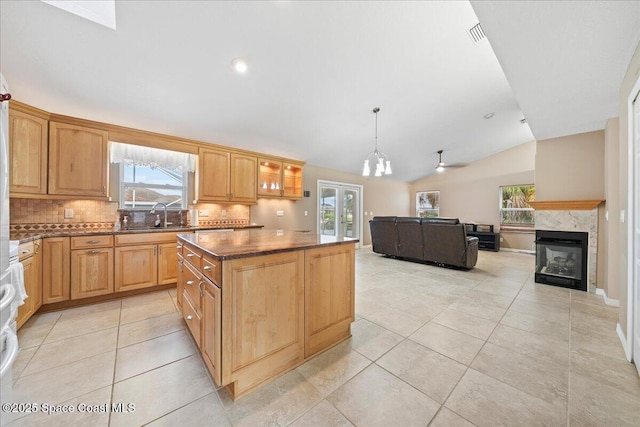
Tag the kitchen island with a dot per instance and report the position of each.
(258, 303)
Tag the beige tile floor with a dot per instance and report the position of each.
(430, 346)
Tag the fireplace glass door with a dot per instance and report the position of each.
(561, 261)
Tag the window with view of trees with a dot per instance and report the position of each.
(514, 205)
(428, 204)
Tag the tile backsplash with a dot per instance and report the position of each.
(41, 214)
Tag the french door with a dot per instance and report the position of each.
(340, 210)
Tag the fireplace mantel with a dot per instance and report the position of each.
(565, 205)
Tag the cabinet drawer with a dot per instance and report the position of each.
(86, 242)
(191, 281)
(211, 268)
(193, 255)
(191, 318)
(25, 250)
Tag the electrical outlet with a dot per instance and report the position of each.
(306, 213)
(223, 213)
(502, 239)
(68, 213)
(279, 213)
(203, 213)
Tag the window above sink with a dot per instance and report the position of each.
(147, 176)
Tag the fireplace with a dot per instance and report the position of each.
(561, 258)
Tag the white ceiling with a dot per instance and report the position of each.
(317, 69)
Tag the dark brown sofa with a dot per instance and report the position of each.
(442, 241)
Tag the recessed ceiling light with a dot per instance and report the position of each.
(240, 65)
(488, 116)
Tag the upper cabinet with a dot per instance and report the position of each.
(78, 160)
(279, 179)
(28, 135)
(226, 177)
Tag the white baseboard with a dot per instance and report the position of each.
(623, 340)
(522, 251)
(607, 300)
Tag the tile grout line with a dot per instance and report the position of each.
(115, 362)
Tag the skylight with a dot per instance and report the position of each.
(102, 12)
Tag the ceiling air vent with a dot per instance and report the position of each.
(476, 33)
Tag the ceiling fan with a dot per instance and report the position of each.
(441, 166)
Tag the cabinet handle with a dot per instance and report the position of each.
(201, 289)
(37, 245)
(93, 252)
(180, 266)
(207, 268)
(104, 189)
(189, 317)
(189, 282)
(179, 247)
(190, 255)
(92, 242)
(154, 250)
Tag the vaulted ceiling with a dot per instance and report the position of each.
(317, 70)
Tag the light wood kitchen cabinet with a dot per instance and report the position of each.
(329, 298)
(56, 264)
(226, 177)
(279, 179)
(212, 333)
(243, 178)
(30, 256)
(91, 266)
(136, 267)
(78, 160)
(167, 263)
(145, 260)
(28, 142)
(263, 317)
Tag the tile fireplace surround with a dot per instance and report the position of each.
(573, 216)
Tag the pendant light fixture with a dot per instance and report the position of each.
(382, 162)
(440, 165)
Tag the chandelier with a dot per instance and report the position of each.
(381, 161)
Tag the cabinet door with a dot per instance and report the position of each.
(28, 137)
(243, 178)
(167, 263)
(56, 258)
(263, 317)
(78, 160)
(37, 273)
(91, 272)
(136, 267)
(269, 177)
(329, 296)
(292, 181)
(180, 281)
(213, 175)
(211, 331)
(26, 310)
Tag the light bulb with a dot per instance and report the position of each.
(388, 168)
(240, 65)
(365, 170)
(379, 169)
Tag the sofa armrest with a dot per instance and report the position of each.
(471, 254)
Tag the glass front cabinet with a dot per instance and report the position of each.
(279, 179)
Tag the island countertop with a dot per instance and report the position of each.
(225, 245)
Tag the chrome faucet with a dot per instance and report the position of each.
(153, 210)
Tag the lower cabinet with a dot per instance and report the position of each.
(56, 264)
(136, 267)
(32, 266)
(211, 317)
(91, 272)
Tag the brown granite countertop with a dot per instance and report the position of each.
(247, 243)
(27, 236)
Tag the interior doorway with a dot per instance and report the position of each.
(340, 210)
